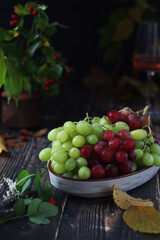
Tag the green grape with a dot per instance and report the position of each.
(107, 127)
(73, 134)
(156, 158)
(81, 162)
(84, 128)
(146, 149)
(68, 174)
(139, 144)
(53, 164)
(121, 125)
(57, 149)
(70, 164)
(147, 159)
(78, 141)
(60, 156)
(56, 143)
(74, 152)
(67, 145)
(155, 148)
(75, 176)
(95, 120)
(138, 134)
(104, 120)
(69, 126)
(62, 136)
(134, 167)
(45, 154)
(139, 154)
(150, 140)
(59, 168)
(84, 173)
(52, 135)
(92, 139)
(97, 130)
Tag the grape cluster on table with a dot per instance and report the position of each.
(116, 144)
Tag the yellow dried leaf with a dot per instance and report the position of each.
(46, 44)
(142, 219)
(136, 13)
(124, 29)
(124, 200)
(39, 133)
(16, 34)
(2, 145)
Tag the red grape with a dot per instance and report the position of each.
(98, 171)
(124, 114)
(144, 121)
(86, 151)
(121, 156)
(114, 144)
(99, 146)
(128, 145)
(107, 155)
(131, 155)
(113, 116)
(111, 170)
(124, 134)
(108, 135)
(125, 167)
(133, 121)
(93, 161)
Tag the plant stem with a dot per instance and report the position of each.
(13, 218)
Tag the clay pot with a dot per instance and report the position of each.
(26, 115)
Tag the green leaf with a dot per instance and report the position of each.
(34, 206)
(45, 194)
(48, 209)
(48, 50)
(22, 174)
(27, 201)
(57, 71)
(25, 186)
(21, 182)
(41, 20)
(50, 30)
(14, 80)
(39, 219)
(113, 52)
(19, 207)
(43, 70)
(19, 9)
(38, 181)
(27, 84)
(2, 68)
(31, 51)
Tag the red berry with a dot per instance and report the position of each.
(24, 138)
(12, 23)
(121, 156)
(47, 88)
(107, 155)
(16, 21)
(113, 116)
(55, 57)
(30, 9)
(125, 167)
(133, 121)
(98, 171)
(108, 135)
(51, 80)
(35, 12)
(46, 82)
(58, 56)
(128, 145)
(123, 134)
(71, 69)
(86, 151)
(52, 201)
(99, 146)
(14, 16)
(115, 144)
(111, 170)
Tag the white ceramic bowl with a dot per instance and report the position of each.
(103, 187)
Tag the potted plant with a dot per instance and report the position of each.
(29, 63)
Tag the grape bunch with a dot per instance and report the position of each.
(115, 144)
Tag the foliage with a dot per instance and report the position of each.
(32, 204)
(28, 59)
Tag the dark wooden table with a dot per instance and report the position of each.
(78, 218)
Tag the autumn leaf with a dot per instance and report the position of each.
(142, 219)
(124, 29)
(12, 143)
(2, 145)
(124, 200)
(33, 134)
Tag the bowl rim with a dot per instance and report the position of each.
(100, 179)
